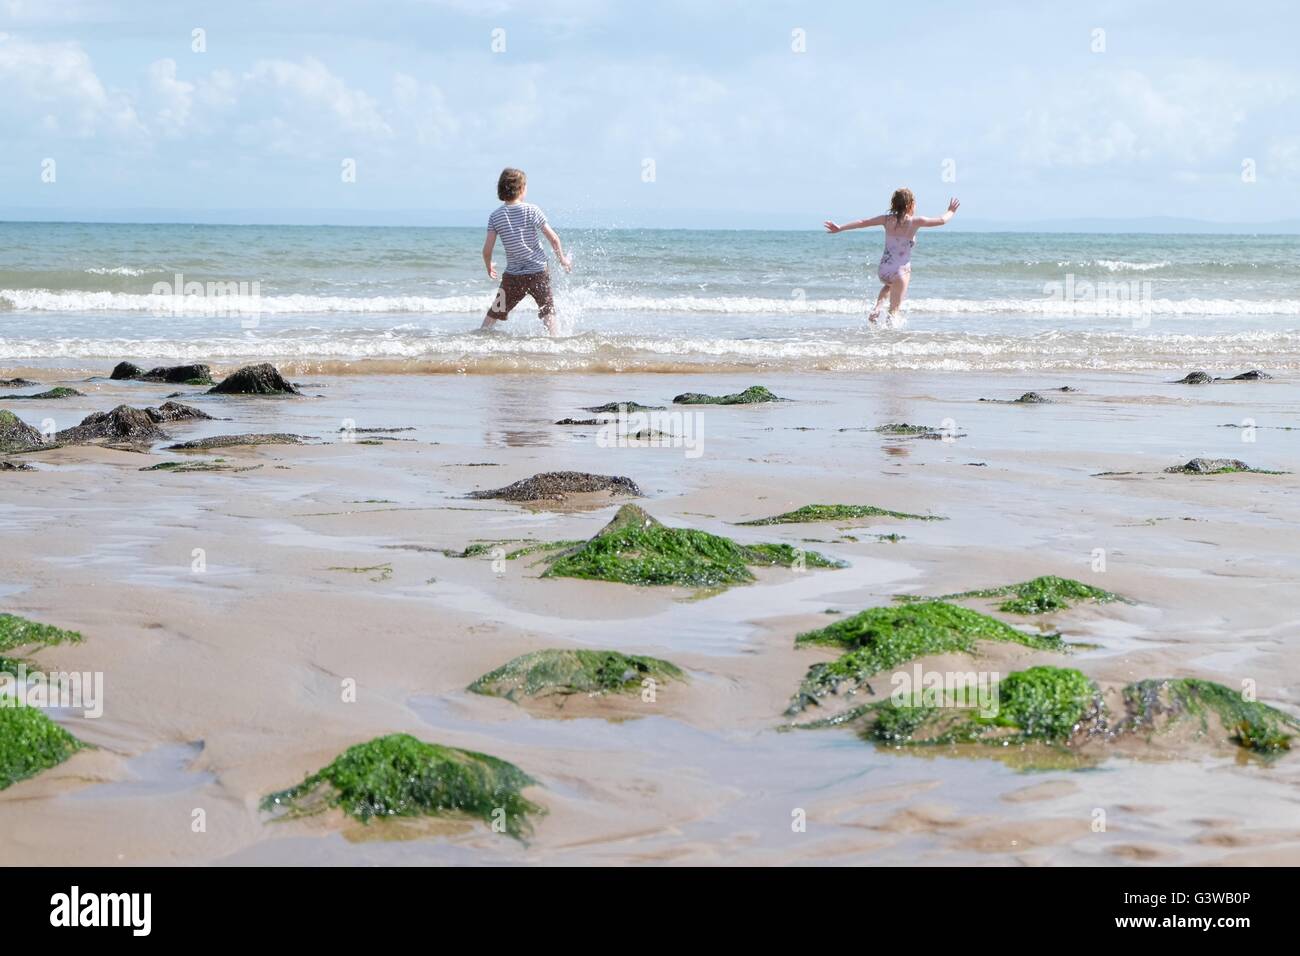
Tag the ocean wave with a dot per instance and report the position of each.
(1085, 300)
(357, 352)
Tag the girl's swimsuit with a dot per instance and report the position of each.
(897, 258)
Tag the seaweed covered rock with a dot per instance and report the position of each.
(1210, 466)
(400, 776)
(1032, 398)
(176, 412)
(1038, 596)
(263, 379)
(123, 425)
(229, 441)
(754, 395)
(614, 408)
(17, 383)
(29, 743)
(634, 548)
(1196, 378)
(548, 672)
(811, 513)
(50, 394)
(16, 434)
(7, 465)
(1254, 375)
(883, 637)
(558, 485)
(1059, 710)
(168, 374)
(580, 421)
(1217, 711)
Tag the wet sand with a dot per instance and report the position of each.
(322, 566)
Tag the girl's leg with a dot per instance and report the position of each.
(898, 289)
(880, 302)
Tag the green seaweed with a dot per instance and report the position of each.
(634, 548)
(883, 637)
(753, 395)
(573, 672)
(811, 513)
(18, 631)
(400, 776)
(1038, 596)
(30, 742)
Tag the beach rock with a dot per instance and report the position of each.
(176, 412)
(261, 379)
(170, 374)
(1254, 375)
(49, 394)
(580, 421)
(1210, 466)
(17, 383)
(1032, 398)
(7, 465)
(228, 441)
(558, 485)
(124, 424)
(400, 776)
(566, 672)
(613, 408)
(811, 513)
(125, 370)
(1196, 378)
(754, 395)
(16, 434)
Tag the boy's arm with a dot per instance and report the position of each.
(488, 243)
(553, 238)
(952, 208)
(856, 224)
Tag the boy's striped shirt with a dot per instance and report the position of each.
(518, 226)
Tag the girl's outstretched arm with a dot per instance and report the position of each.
(858, 224)
(952, 208)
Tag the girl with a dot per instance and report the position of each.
(900, 236)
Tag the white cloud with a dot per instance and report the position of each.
(57, 83)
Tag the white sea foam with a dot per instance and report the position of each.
(425, 352)
(41, 300)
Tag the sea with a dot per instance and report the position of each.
(350, 299)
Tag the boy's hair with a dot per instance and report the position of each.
(511, 184)
(900, 204)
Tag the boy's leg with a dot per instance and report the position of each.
(540, 289)
(507, 296)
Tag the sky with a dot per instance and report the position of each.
(695, 113)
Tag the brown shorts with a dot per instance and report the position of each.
(515, 287)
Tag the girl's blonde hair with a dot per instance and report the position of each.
(902, 203)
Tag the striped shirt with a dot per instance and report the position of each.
(518, 225)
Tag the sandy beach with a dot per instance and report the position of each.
(230, 610)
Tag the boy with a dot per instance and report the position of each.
(517, 223)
